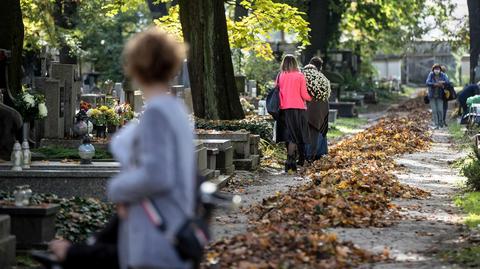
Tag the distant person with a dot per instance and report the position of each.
(318, 86)
(436, 82)
(468, 91)
(156, 155)
(292, 126)
(448, 86)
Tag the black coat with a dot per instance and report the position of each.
(103, 254)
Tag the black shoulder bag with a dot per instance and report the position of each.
(273, 100)
(194, 235)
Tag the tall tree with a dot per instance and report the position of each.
(11, 38)
(65, 14)
(214, 91)
(324, 17)
(474, 22)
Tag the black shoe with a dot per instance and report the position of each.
(291, 164)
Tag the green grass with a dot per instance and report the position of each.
(458, 134)
(68, 153)
(470, 203)
(346, 126)
(467, 257)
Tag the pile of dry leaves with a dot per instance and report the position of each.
(352, 187)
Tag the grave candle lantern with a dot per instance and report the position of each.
(86, 151)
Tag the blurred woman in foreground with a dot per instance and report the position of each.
(156, 155)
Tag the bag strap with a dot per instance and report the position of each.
(154, 214)
(278, 79)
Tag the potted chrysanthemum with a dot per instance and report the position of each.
(31, 105)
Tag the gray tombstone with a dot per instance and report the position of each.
(188, 99)
(138, 101)
(54, 123)
(251, 84)
(65, 74)
(118, 88)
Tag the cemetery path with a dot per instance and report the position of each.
(429, 226)
(254, 187)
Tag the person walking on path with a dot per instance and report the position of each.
(157, 158)
(292, 127)
(449, 87)
(436, 82)
(318, 86)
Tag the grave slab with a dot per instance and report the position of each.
(7, 243)
(224, 161)
(240, 140)
(33, 226)
(345, 109)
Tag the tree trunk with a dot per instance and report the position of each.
(11, 38)
(324, 17)
(65, 17)
(474, 21)
(214, 91)
(318, 14)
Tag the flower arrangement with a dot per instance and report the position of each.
(112, 117)
(98, 116)
(103, 116)
(31, 105)
(125, 112)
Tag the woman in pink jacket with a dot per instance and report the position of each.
(292, 127)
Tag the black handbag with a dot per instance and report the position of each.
(452, 93)
(192, 237)
(426, 99)
(273, 100)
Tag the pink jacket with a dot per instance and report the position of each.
(293, 90)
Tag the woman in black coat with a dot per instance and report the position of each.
(318, 86)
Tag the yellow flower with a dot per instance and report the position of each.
(103, 108)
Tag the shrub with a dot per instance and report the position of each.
(471, 170)
(77, 219)
(253, 124)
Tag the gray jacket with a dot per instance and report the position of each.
(157, 158)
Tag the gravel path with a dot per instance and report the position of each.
(430, 225)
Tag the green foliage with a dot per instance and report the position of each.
(262, 70)
(391, 24)
(98, 33)
(458, 134)
(254, 125)
(250, 32)
(60, 153)
(470, 168)
(467, 257)
(346, 126)
(470, 203)
(77, 219)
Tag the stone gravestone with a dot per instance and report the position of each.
(119, 92)
(7, 243)
(138, 101)
(188, 100)
(65, 74)
(252, 86)
(54, 123)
